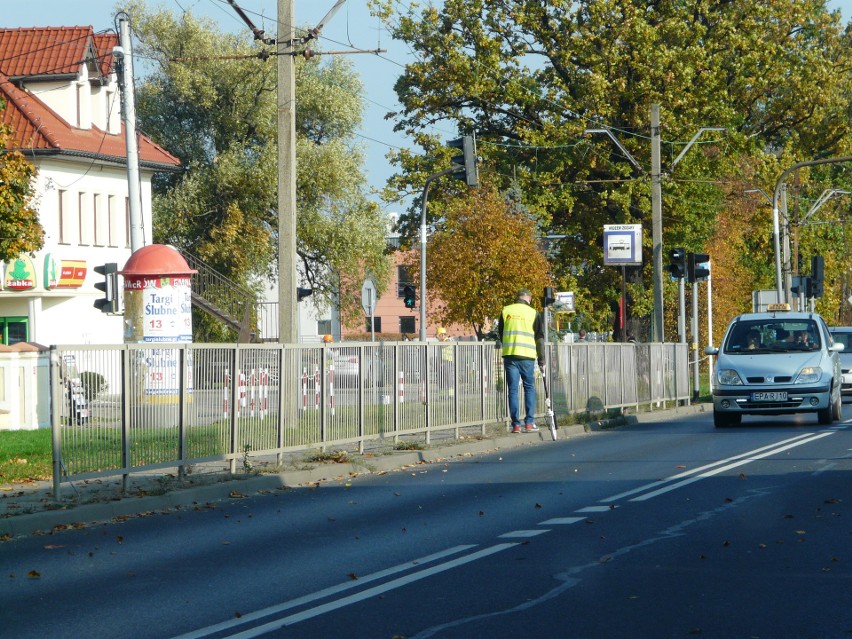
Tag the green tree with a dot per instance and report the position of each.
(210, 98)
(20, 229)
(531, 77)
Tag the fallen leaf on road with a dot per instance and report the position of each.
(538, 505)
(352, 576)
(742, 475)
(33, 574)
(234, 494)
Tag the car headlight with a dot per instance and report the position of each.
(809, 375)
(728, 377)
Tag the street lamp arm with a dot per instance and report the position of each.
(692, 141)
(782, 293)
(620, 146)
(423, 233)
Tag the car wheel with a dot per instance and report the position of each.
(824, 416)
(837, 414)
(725, 420)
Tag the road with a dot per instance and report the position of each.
(666, 529)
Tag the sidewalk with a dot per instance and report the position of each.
(31, 508)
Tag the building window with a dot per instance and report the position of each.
(324, 327)
(84, 220)
(112, 221)
(97, 220)
(377, 324)
(403, 279)
(64, 218)
(407, 324)
(127, 221)
(15, 329)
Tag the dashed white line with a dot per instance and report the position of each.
(522, 533)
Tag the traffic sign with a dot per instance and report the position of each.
(368, 296)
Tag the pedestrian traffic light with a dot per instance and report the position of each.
(302, 293)
(408, 296)
(109, 302)
(549, 297)
(697, 267)
(464, 164)
(817, 276)
(677, 267)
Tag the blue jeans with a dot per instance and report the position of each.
(520, 370)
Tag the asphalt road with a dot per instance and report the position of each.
(668, 529)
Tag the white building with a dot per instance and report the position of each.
(63, 104)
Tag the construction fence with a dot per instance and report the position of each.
(143, 407)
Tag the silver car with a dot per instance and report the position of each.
(776, 363)
(843, 335)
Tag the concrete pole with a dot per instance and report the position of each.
(287, 307)
(657, 224)
(128, 114)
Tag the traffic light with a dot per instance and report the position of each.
(109, 302)
(695, 272)
(408, 296)
(677, 267)
(801, 285)
(817, 276)
(302, 293)
(464, 164)
(549, 297)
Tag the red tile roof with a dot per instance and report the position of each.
(45, 50)
(38, 129)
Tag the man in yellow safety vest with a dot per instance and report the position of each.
(521, 331)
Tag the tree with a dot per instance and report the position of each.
(479, 257)
(531, 77)
(210, 99)
(20, 230)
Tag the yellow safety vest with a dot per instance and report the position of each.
(518, 331)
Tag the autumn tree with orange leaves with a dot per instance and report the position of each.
(482, 252)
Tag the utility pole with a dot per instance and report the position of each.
(657, 224)
(124, 56)
(288, 332)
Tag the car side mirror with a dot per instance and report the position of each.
(711, 350)
(836, 347)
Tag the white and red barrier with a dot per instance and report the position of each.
(252, 393)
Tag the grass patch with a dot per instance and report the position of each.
(402, 445)
(25, 455)
(333, 456)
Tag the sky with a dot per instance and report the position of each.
(350, 28)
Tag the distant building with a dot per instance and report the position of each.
(63, 104)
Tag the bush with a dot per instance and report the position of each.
(93, 384)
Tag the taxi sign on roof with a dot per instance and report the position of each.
(777, 307)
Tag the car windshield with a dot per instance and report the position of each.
(773, 335)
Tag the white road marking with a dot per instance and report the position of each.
(742, 462)
(370, 592)
(688, 473)
(560, 521)
(327, 592)
(522, 533)
(593, 509)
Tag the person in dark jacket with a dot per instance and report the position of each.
(521, 332)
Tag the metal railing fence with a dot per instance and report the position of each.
(142, 407)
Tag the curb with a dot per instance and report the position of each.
(235, 487)
(66, 516)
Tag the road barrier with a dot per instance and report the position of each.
(174, 405)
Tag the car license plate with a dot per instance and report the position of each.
(769, 396)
